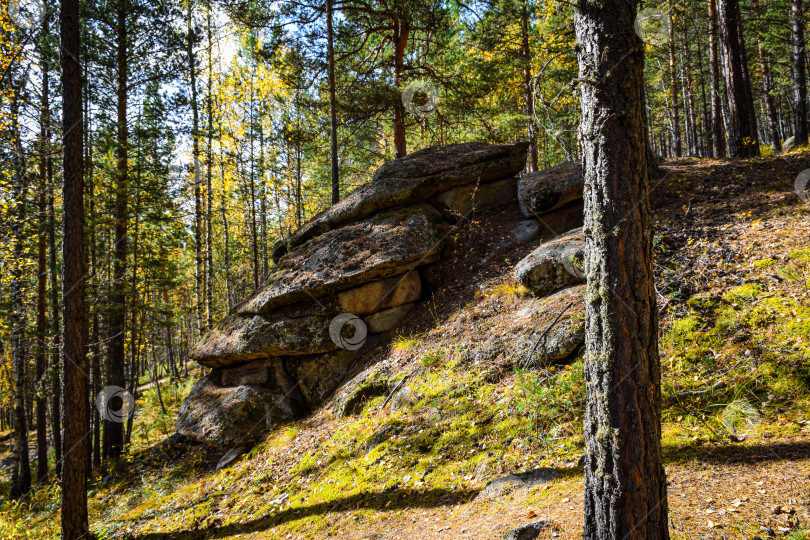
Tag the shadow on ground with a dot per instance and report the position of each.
(737, 452)
(390, 500)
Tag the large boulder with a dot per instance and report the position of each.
(547, 190)
(554, 264)
(412, 179)
(227, 415)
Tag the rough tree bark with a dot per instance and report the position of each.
(74, 360)
(625, 484)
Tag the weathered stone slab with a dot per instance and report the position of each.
(550, 189)
(389, 319)
(228, 416)
(510, 482)
(380, 247)
(295, 330)
(381, 295)
(415, 178)
(554, 264)
(459, 202)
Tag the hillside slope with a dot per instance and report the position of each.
(441, 409)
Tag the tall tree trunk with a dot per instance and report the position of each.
(767, 88)
(199, 278)
(527, 84)
(718, 140)
(673, 85)
(42, 271)
(209, 267)
(705, 104)
(743, 137)
(21, 469)
(401, 33)
(56, 382)
(74, 359)
(330, 66)
(113, 431)
(799, 69)
(689, 96)
(625, 484)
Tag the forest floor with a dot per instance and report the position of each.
(733, 278)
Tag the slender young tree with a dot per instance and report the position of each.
(330, 60)
(718, 139)
(42, 272)
(625, 484)
(799, 69)
(74, 332)
(674, 105)
(21, 468)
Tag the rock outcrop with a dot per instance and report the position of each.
(355, 272)
(347, 275)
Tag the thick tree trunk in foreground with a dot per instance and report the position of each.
(799, 69)
(625, 484)
(74, 360)
(743, 136)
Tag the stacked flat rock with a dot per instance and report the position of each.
(551, 200)
(273, 357)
